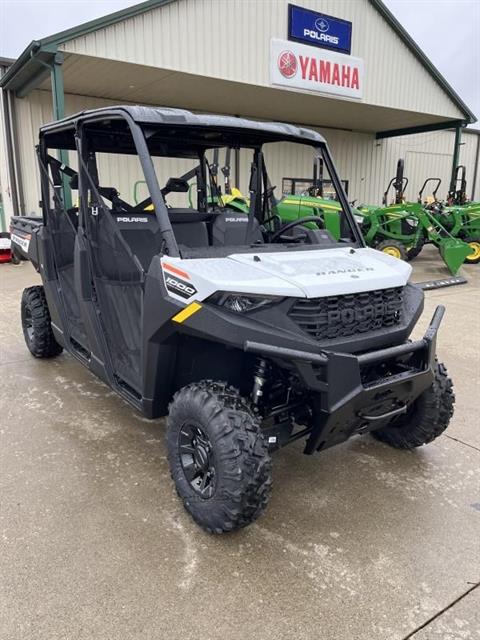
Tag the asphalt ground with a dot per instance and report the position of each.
(361, 542)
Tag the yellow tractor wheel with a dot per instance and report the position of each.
(474, 256)
(393, 248)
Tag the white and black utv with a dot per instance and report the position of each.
(247, 333)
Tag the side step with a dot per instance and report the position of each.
(444, 282)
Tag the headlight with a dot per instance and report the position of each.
(241, 302)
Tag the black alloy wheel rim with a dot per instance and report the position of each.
(28, 323)
(197, 460)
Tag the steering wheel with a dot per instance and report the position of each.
(295, 223)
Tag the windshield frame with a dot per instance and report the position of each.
(223, 137)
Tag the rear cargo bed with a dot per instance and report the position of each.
(24, 231)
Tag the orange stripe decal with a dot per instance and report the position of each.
(174, 270)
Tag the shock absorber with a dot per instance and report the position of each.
(258, 380)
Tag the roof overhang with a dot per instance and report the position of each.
(137, 84)
(31, 69)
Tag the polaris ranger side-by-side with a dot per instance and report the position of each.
(248, 333)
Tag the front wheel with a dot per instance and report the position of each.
(474, 256)
(426, 419)
(218, 457)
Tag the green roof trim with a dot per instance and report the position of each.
(423, 59)
(28, 57)
(35, 60)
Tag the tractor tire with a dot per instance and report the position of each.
(218, 457)
(426, 419)
(414, 251)
(474, 257)
(392, 248)
(36, 324)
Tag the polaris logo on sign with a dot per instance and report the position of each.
(322, 25)
(318, 29)
(301, 67)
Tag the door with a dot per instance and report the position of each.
(58, 186)
(116, 273)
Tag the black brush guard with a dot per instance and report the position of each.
(360, 393)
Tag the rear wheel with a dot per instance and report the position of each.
(474, 244)
(218, 457)
(36, 324)
(427, 418)
(392, 248)
(16, 259)
(416, 249)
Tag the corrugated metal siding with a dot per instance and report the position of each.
(366, 163)
(231, 40)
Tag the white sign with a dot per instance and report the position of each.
(302, 67)
(22, 242)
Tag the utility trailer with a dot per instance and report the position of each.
(248, 333)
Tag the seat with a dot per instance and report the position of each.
(191, 234)
(142, 234)
(230, 229)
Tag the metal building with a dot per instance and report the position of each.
(348, 69)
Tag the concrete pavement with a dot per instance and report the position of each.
(361, 542)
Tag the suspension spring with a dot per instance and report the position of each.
(259, 380)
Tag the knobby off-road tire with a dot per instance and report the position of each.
(429, 416)
(392, 248)
(228, 433)
(36, 324)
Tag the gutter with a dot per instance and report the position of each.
(19, 63)
(45, 47)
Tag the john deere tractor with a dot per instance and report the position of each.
(401, 228)
(460, 216)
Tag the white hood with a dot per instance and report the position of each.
(308, 274)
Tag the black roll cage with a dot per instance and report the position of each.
(261, 192)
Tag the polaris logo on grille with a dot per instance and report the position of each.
(350, 315)
(335, 317)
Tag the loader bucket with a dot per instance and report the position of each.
(454, 252)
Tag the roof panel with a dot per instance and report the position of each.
(397, 76)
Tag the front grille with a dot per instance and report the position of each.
(347, 315)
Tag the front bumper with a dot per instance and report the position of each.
(359, 393)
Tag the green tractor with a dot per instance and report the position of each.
(457, 196)
(460, 216)
(402, 228)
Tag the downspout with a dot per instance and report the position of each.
(456, 155)
(475, 168)
(58, 107)
(17, 170)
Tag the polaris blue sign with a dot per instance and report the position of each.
(319, 30)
